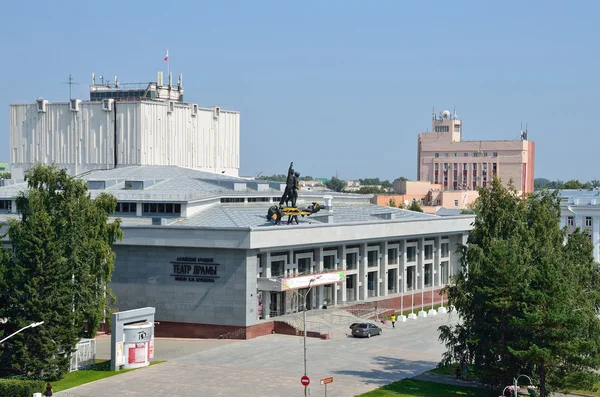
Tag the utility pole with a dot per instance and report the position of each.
(70, 82)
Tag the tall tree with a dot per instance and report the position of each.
(335, 184)
(527, 302)
(59, 270)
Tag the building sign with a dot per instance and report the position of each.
(319, 279)
(193, 269)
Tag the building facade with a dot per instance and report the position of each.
(445, 159)
(199, 248)
(580, 209)
(121, 127)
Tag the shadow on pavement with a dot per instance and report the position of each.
(389, 370)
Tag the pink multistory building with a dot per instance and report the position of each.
(445, 159)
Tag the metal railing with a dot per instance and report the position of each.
(84, 355)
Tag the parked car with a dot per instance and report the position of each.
(365, 330)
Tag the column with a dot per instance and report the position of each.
(362, 273)
(266, 299)
(383, 268)
(421, 272)
(343, 267)
(318, 269)
(292, 267)
(435, 276)
(267, 265)
(139, 207)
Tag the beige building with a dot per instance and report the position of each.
(445, 159)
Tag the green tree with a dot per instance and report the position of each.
(400, 179)
(370, 182)
(60, 267)
(274, 178)
(595, 183)
(392, 203)
(369, 190)
(527, 303)
(335, 184)
(415, 206)
(307, 178)
(386, 184)
(4, 175)
(540, 183)
(575, 184)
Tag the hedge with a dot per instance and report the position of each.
(21, 388)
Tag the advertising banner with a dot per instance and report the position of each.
(318, 279)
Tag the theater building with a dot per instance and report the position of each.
(199, 248)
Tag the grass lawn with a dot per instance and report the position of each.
(449, 370)
(99, 371)
(420, 388)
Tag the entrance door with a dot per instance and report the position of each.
(276, 307)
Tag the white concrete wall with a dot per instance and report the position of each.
(146, 134)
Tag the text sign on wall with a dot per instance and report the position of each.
(194, 269)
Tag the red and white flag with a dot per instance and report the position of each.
(167, 56)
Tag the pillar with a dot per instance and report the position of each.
(362, 273)
(383, 268)
(342, 258)
(421, 272)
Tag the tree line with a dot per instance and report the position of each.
(543, 183)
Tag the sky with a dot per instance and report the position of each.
(339, 87)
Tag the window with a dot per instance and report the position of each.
(588, 221)
(392, 256)
(167, 209)
(475, 154)
(445, 154)
(437, 166)
(436, 155)
(372, 284)
(456, 127)
(411, 254)
(329, 262)
(444, 272)
(455, 166)
(5, 205)
(474, 166)
(442, 128)
(495, 154)
(233, 200)
(428, 279)
(570, 221)
(304, 265)
(428, 252)
(456, 203)
(484, 154)
(445, 249)
(277, 268)
(351, 260)
(372, 258)
(466, 154)
(464, 166)
(455, 154)
(258, 199)
(127, 208)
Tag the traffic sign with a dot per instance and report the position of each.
(305, 380)
(325, 381)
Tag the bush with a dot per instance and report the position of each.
(20, 388)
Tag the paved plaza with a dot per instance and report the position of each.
(272, 365)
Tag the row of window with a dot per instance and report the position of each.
(571, 221)
(475, 154)
(465, 166)
(94, 96)
(249, 199)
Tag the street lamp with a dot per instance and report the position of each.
(516, 390)
(32, 325)
(304, 297)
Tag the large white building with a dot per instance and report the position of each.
(123, 126)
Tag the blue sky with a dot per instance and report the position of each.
(336, 86)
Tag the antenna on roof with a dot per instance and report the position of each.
(433, 115)
(70, 82)
(454, 113)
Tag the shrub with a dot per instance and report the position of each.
(20, 388)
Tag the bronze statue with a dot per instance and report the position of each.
(288, 185)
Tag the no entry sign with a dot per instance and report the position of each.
(305, 380)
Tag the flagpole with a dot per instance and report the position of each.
(168, 64)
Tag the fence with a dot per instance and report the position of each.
(84, 355)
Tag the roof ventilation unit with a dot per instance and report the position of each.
(171, 107)
(41, 105)
(194, 110)
(74, 105)
(107, 105)
(216, 112)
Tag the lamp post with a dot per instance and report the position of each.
(32, 325)
(304, 297)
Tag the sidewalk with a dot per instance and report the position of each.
(449, 380)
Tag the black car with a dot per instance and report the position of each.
(365, 330)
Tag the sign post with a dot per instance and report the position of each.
(326, 381)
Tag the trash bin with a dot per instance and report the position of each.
(138, 346)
